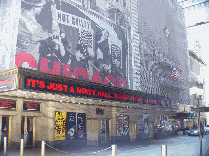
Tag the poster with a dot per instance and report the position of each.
(81, 125)
(79, 39)
(60, 125)
(141, 123)
(145, 124)
(71, 125)
(122, 124)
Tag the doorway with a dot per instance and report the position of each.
(28, 131)
(4, 129)
(105, 131)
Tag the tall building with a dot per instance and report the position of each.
(196, 16)
(91, 72)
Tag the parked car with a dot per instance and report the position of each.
(195, 131)
(207, 129)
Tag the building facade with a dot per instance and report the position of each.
(91, 72)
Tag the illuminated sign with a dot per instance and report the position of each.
(94, 92)
(31, 106)
(7, 104)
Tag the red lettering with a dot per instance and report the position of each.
(50, 86)
(88, 91)
(96, 77)
(121, 82)
(80, 71)
(59, 87)
(72, 89)
(54, 86)
(83, 90)
(41, 84)
(34, 82)
(110, 78)
(99, 93)
(109, 96)
(65, 88)
(26, 57)
(66, 70)
(127, 97)
(93, 91)
(44, 66)
(78, 90)
(115, 96)
(28, 82)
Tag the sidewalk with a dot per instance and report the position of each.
(92, 150)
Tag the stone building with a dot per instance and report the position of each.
(91, 72)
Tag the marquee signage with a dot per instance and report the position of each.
(78, 90)
(7, 104)
(31, 106)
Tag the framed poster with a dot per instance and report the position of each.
(145, 124)
(141, 122)
(4, 104)
(81, 125)
(30, 106)
(60, 125)
(71, 125)
(122, 124)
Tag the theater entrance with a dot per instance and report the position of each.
(105, 134)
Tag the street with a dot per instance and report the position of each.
(176, 146)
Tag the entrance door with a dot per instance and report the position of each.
(105, 134)
(30, 130)
(4, 130)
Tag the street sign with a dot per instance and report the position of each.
(204, 109)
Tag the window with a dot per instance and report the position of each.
(182, 3)
(194, 7)
(193, 1)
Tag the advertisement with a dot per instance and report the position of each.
(122, 124)
(79, 39)
(7, 83)
(60, 125)
(71, 125)
(81, 125)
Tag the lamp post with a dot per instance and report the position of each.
(196, 89)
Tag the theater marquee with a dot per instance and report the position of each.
(76, 89)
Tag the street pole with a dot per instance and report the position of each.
(200, 136)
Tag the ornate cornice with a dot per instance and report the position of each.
(9, 72)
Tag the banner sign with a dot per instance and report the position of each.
(93, 92)
(84, 40)
(60, 125)
(7, 104)
(7, 83)
(31, 106)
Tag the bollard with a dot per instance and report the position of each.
(21, 147)
(5, 145)
(114, 147)
(164, 150)
(43, 148)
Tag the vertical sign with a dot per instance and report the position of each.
(60, 125)
(122, 124)
(71, 125)
(141, 123)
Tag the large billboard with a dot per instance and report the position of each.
(83, 39)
